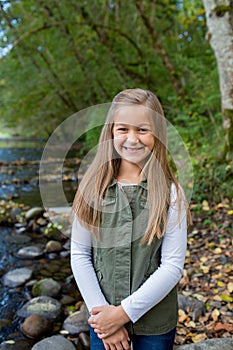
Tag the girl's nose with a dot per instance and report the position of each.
(133, 137)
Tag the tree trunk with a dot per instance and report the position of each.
(158, 47)
(219, 16)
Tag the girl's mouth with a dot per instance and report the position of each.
(132, 149)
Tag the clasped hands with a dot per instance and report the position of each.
(108, 322)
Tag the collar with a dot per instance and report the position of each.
(142, 184)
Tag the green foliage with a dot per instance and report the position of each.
(59, 57)
(213, 181)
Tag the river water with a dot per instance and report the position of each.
(19, 182)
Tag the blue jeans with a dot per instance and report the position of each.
(140, 342)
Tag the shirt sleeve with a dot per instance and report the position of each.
(168, 274)
(82, 267)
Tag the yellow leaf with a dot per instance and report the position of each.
(190, 324)
(221, 284)
(230, 212)
(182, 315)
(230, 287)
(199, 337)
(215, 313)
(203, 259)
(226, 297)
(200, 297)
(217, 251)
(205, 269)
(221, 205)
(205, 205)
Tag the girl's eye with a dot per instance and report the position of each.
(122, 129)
(143, 130)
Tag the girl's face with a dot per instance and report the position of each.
(132, 135)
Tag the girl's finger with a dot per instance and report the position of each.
(106, 346)
(126, 345)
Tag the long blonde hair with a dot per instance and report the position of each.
(104, 168)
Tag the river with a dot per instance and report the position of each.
(18, 182)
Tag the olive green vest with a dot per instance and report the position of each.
(122, 264)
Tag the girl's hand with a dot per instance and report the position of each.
(119, 340)
(107, 319)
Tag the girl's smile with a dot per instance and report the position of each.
(132, 135)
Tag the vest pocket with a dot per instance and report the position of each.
(97, 263)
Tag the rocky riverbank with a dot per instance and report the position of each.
(51, 315)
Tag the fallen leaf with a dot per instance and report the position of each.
(214, 314)
(190, 324)
(221, 284)
(230, 287)
(199, 337)
(205, 205)
(182, 316)
(217, 250)
(223, 326)
(226, 297)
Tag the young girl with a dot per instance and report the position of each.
(129, 230)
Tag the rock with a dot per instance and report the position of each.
(64, 254)
(19, 344)
(67, 300)
(57, 342)
(30, 252)
(17, 277)
(46, 286)
(53, 246)
(34, 213)
(18, 238)
(44, 306)
(76, 323)
(209, 344)
(196, 307)
(67, 245)
(85, 339)
(35, 326)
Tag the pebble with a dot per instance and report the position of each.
(34, 213)
(209, 344)
(46, 286)
(53, 246)
(35, 326)
(42, 313)
(44, 306)
(17, 277)
(30, 252)
(57, 342)
(76, 323)
(85, 339)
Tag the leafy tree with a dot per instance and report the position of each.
(219, 16)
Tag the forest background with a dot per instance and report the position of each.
(58, 57)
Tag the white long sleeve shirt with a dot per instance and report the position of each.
(156, 287)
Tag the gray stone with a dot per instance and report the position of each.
(46, 286)
(57, 342)
(44, 306)
(196, 307)
(76, 323)
(19, 344)
(209, 344)
(53, 246)
(35, 326)
(17, 277)
(30, 252)
(34, 213)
